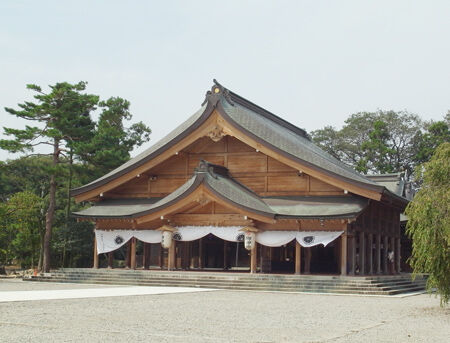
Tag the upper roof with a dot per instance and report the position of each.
(218, 181)
(262, 125)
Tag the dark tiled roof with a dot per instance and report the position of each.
(394, 182)
(268, 128)
(317, 206)
(215, 178)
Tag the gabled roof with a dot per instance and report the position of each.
(217, 180)
(256, 122)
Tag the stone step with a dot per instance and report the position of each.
(375, 285)
(252, 277)
(79, 276)
(208, 284)
(237, 280)
(242, 286)
(251, 287)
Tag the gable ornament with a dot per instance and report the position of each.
(216, 134)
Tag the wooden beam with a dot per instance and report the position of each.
(344, 254)
(307, 260)
(110, 260)
(253, 258)
(378, 252)
(95, 265)
(298, 258)
(362, 253)
(370, 253)
(133, 253)
(172, 255)
(385, 250)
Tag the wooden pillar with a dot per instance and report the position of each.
(200, 254)
(370, 253)
(362, 253)
(344, 254)
(161, 257)
(385, 250)
(225, 255)
(307, 260)
(253, 258)
(298, 258)
(146, 259)
(133, 253)
(128, 255)
(378, 253)
(397, 255)
(185, 256)
(95, 254)
(352, 242)
(172, 255)
(110, 260)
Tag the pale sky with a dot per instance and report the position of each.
(311, 62)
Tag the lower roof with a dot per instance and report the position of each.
(217, 179)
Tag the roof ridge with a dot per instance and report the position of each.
(260, 110)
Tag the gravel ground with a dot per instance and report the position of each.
(223, 316)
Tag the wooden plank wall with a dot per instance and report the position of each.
(379, 218)
(264, 175)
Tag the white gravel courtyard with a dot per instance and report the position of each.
(214, 316)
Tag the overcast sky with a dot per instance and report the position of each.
(311, 62)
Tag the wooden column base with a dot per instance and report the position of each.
(298, 258)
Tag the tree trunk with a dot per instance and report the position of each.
(69, 186)
(41, 252)
(51, 209)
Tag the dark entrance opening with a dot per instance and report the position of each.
(283, 258)
(324, 260)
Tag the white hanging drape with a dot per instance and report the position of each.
(275, 238)
(191, 233)
(311, 238)
(228, 233)
(111, 240)
(148, 236)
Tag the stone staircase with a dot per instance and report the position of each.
(368, 285)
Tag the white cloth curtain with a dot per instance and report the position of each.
(228, 233)
(148, 236)
(275, 238)
(111, 240)
(190, 233)
(311, 238)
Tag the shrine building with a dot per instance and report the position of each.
(238, 188)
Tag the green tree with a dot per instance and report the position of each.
(63, 116)
(435, 134)
(376, 150)
(429, 223)
(27, 225)
(385, 144)
(115, 139)
(82, 151)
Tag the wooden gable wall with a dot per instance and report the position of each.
(264, 175)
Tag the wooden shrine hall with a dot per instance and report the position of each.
(238, 188)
